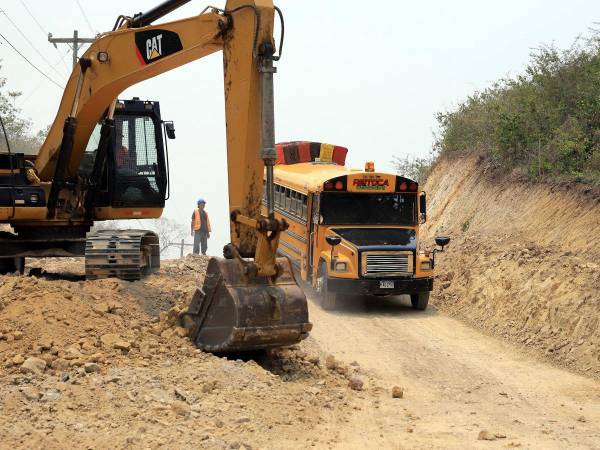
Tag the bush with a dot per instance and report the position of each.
(545, 122)
(20, 135)
(413, 167)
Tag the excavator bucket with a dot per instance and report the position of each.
(237, 312)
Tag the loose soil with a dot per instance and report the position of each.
(112, 369)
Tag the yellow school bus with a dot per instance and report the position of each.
(351, 231)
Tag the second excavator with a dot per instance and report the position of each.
(106, 159)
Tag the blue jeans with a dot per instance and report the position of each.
(200, 242)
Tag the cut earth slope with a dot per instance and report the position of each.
(524, 261)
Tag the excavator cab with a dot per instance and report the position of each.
(126, 157)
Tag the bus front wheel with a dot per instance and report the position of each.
(328, 298)
(419, 301)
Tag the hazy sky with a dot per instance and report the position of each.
(369, 76)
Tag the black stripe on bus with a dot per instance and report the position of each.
(290, 246)
(290, 215)
(296, 236)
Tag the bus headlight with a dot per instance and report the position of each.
(426, 265)
(341, 266)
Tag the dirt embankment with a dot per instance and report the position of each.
(104, 364)
(524, 261)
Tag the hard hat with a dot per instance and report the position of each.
(201, 200)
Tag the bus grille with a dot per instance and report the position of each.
(387, 264)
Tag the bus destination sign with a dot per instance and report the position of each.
(373, 182)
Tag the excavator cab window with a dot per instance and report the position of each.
(135, 173)
(137, 162)
(87, 161)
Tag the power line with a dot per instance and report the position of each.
(34, 19)
(34, 90)
(30, 63)
(43, 30)
(86, 18)
(30, 43)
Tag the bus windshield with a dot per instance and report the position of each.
(368, 209)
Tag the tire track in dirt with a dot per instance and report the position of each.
(458, 382)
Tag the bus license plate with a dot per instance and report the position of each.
(386, 284)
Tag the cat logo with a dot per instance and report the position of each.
(154, 45)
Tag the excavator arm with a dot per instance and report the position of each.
(250, 299)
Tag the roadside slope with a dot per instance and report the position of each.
(523, 262)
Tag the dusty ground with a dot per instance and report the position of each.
(457, 382)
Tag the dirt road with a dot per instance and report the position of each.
(458, 382)
(102, 364)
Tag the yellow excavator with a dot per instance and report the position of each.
(106, 159)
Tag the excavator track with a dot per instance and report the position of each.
(125, 254)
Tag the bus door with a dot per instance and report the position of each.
(313, 228)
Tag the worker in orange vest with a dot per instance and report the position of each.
(200, 228)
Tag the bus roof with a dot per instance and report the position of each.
(308, 176)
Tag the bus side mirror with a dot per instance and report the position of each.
(170, 129)
(333, 241)
(423, 207)
(442, 241)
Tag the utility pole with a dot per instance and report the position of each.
(73, 42)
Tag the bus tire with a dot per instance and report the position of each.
(328, 298)
(420, 301)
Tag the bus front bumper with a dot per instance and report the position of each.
(379, 286)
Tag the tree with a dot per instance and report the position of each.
(18, 130)
(168, 230)
(413, 167)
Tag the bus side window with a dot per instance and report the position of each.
(277, 199)
(281, 197)
(286, 206)
(294, 206)
(304, 203)
(298, 204)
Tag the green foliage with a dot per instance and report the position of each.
(412, 167)
(545, 122)
(465, 225)
(21, 137)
